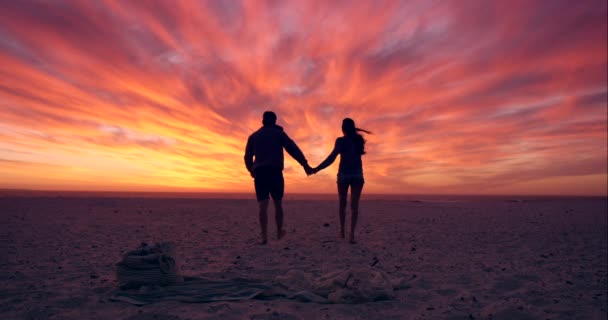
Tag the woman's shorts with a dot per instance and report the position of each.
(350, 179)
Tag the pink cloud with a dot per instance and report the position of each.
(463, 96)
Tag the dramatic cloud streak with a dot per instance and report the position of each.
(463, 96)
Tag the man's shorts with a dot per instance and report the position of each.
(350, 179)
(269, 181)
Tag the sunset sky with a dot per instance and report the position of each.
(463, 97)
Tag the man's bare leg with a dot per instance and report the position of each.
(355, 195)
(263, 215)
(278, 216)
(342, 193)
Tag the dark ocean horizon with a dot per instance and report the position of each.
(8, 193)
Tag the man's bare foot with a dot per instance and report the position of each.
(280, 234)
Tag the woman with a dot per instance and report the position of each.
(350, 147)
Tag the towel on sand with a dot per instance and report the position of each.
(357, 285)
(210, 290)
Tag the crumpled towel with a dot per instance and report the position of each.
(353, 285)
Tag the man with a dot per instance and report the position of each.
(266, 145)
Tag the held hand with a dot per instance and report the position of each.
(308, 170)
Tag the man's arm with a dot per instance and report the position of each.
(249, 156)
(294, 151)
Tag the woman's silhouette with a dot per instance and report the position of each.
(350, 147)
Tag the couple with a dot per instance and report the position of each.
(264, 161)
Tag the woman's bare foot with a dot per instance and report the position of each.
(352, 239)
(280, 234)
(264, 240)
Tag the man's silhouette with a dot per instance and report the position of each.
(266, 146)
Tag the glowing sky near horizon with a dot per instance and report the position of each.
(480, 97)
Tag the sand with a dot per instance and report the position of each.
(476, 259)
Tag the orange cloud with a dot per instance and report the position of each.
(462, 97)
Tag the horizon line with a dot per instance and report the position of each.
(4, 192)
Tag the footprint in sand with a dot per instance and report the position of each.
(273, 316)
(151, 315)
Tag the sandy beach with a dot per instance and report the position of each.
(465, 259)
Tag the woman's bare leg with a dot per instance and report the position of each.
(342, 193)
(355, 195)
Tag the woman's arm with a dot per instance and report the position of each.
(331, 158)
